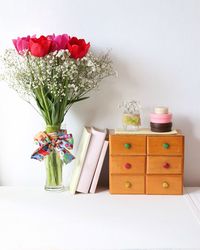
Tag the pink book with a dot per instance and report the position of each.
(91, 160)
(99, 167)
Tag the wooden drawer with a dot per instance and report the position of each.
(127, 145)
(164, 165)
(127, 164)
(165, 145)
(164, 184)
(127, 184)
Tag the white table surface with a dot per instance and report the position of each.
(33, 219)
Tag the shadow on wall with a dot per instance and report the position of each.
(104, 176)
(192, 151)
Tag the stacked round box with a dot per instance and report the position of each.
(161, 120)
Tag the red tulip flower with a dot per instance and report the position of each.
(21, 44)
(78, 48)
(40, 47)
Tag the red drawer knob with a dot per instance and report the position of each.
(127, 165)
(166, 165)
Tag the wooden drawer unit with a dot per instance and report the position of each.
(151, 164)
(127, 164)
(164, 145)
(164, 165)
(127, 184)
(127, 145)
(164, 184)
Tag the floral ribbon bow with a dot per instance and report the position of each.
(59, 141)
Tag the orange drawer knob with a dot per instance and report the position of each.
(165, 145)
(166, 165)
(127, 145)
(165, 184)
(127, 165)
(128, 184)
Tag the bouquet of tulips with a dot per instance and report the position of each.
(54, 72)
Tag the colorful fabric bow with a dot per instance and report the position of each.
(59, 141)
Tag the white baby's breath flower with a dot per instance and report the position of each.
(58, 75)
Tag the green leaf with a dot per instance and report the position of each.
(77, 100)
(55, 113)
(41, 110)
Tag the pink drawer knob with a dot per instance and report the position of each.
(127, 165)
(166, 165)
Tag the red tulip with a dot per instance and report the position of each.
(78, 48)
(59, 42)
(21, 44)
(40, 47)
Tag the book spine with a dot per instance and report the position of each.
(99, 167)
(79, 161)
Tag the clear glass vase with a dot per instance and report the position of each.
(131, 121)
(54, 166)
(53, 172)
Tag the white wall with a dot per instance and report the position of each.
(155, 49)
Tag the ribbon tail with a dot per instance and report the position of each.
(41, 152)
(66, 156)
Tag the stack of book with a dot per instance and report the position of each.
(89, 161)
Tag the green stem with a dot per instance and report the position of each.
(53, 164)
(52, 128)
(45, 105)
(53, 170)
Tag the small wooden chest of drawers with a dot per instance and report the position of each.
(146, 164)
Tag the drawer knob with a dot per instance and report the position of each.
(166, 145)
(165, 184)
(127, 165)
(166, 165)
(127, 145)
(128, 184)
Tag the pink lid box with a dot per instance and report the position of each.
(161, 118)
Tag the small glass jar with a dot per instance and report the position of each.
(131, 119)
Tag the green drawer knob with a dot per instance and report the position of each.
(166, 145)
(127, 145)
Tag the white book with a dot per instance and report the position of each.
(79, 160)
(98, 168)
(91, 160)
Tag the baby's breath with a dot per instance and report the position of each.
(55, 78)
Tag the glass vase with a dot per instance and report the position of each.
(131, 121)
(54, 166)
(53, 172)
